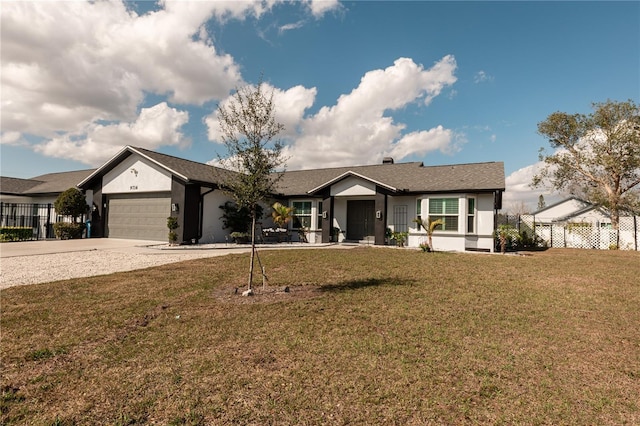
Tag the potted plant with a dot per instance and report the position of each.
(240, 237)
(172, 224)
(400, 237)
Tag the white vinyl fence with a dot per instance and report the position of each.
(585, 235)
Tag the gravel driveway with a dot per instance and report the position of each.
(36, 262)
(45, 261)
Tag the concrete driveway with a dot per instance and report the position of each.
(31, 248)
(33, 262)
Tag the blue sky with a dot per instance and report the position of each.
(437, 82)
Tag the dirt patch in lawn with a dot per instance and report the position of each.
(267, 294)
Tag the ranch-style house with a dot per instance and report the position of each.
(133, 193)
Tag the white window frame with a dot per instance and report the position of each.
(471, 215)
(318, 215)
(309, 215)
(455, 201)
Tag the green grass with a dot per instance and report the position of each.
(366, 336)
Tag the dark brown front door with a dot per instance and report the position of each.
(360, 219)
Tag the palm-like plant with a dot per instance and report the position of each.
(430, 226)
(281, 214)
(505, 234)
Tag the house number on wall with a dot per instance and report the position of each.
(133, 187)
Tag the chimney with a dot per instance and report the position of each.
(387, 160)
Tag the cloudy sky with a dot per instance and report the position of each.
(437, 82)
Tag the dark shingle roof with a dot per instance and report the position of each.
(404, 177)
(53, 183)
(16, 186)
(400, 177)
(50, 183)
(191, 170)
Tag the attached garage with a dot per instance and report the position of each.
(138, 216)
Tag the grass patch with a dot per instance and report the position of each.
(365, 336)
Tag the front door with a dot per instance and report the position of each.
(360, 219)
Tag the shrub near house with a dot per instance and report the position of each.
(70, 203)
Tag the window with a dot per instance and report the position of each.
(419, 208)
(445, 209)
(319, 226)
(400, 219)
(302, 212)
(471, 215)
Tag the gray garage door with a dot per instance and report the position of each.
(138, 216)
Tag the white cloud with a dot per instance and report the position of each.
(65, 64)
(358, 129)
(289, 27)
(290, 107)
(320, 7)
(156, 126)
(10, 138)
(482, 77)
(423, 142)
(518, 189)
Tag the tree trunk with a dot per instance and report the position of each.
(253, 248)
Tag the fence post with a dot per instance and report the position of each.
(46, 232)
(635, 232)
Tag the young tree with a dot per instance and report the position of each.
(430, 226)
(71, 203)
(597, 156)
(250, 133)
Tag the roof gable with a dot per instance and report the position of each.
(346, 175)
(186, 170)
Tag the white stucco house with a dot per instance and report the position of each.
(133, 193)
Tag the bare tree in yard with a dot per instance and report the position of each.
(597, 156)
(250, 134)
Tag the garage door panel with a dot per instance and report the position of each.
(139, 216)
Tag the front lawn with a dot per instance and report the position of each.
(364, 336)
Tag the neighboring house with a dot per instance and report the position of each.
(572, 209)
(42, 189)
(577, 223)
(133, 193)
(29, 202)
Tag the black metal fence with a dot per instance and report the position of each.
(39, 217)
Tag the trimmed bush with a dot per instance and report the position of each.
(15, 233)
(71, 203)
(67, 230)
